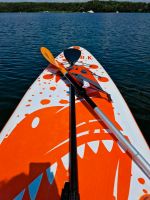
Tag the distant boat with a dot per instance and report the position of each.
(117, 11)
(90, 11)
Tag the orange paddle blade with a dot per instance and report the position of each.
(50, 58)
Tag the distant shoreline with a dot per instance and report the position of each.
(96, 6)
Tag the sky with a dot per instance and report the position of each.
(65, 0)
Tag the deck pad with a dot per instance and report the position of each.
(34, 144)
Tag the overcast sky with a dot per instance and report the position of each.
(63, 0)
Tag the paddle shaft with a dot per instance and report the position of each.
(136, 156)
(74, 195)
(72, 55)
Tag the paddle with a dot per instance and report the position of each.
(136, 156)
(72, 55)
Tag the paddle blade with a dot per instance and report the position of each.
(48, 55)
(72, 55)
(50, 58)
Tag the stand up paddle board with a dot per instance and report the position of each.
(34, 144)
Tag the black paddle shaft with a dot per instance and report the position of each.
(72, 55)
(74, 195)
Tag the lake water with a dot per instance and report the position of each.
(120, 42)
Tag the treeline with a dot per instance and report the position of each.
(96, 6)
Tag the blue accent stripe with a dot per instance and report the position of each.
(50, 175)
(20, 195)
(34, 187)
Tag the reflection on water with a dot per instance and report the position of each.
(120, 42)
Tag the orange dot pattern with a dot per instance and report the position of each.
(48, 76)
(141, 181)
(45, 101)
(103, 79)
(63, 101)
(53, 88)
(93, 66)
